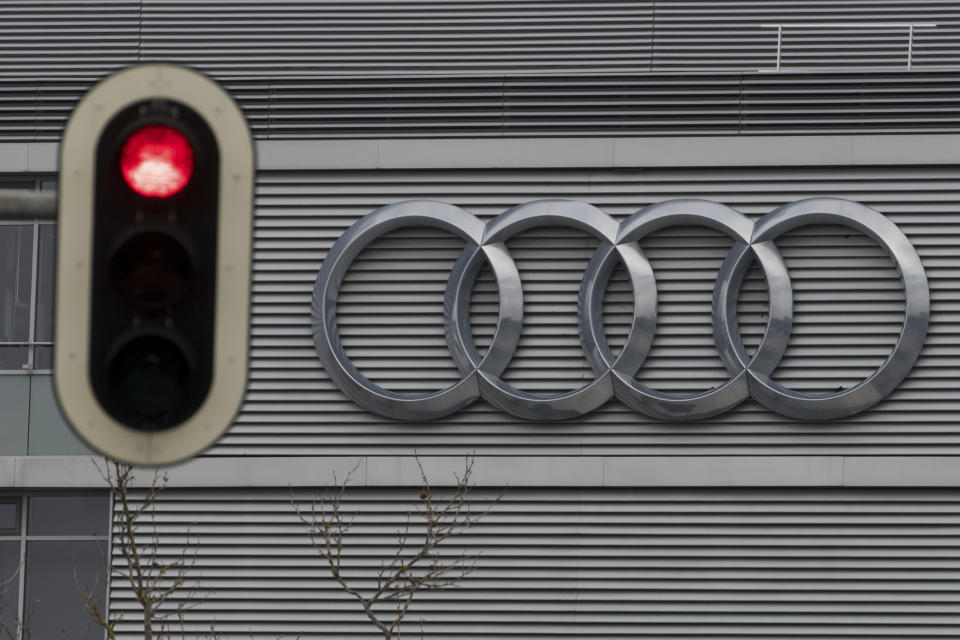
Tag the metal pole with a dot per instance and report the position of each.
(27, 204)
(779, 40)
(910, 49)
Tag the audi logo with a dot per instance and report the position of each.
(616, 375)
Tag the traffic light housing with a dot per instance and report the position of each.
(153, 276)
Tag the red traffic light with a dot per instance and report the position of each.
(156, 161)
(164, 246)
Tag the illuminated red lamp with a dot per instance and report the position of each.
(157, 161)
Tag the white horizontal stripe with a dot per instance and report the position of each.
(76, 472)
(496, 153)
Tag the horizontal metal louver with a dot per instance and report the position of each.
(644, 105)
(848, 310)
(819, 34)
(498, 68)
(400, 36)
(766, 564)
(55, 40)
(416, 37)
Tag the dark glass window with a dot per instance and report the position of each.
(67, 516)
(9, 586)
(56, 572)
(27, 265)
(43, 321)
(44, 565)
(9, 516)
(16, 294)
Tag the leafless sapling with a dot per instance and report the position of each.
(161, 585)
(8, 627)
(417, 564)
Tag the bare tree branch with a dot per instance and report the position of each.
(161, 586)
(6, 630)
(414, 566)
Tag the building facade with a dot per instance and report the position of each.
(745, 524)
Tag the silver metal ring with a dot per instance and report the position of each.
(665, 406)
(615, 376)
(888, 376)
(493, 388)
(323, 310)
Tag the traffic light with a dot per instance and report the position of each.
(153, 274)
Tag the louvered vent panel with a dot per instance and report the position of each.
(644, 105)
(399, 36)
(43, 40)
(550, 67)
(848, 310)
(827, 104)
(603, 564)
(233, 37)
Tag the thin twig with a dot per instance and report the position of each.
(156, 583)
(411, 568)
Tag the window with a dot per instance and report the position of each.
(27, 254)
(51, 546)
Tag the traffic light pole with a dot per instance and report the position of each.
(27, 204)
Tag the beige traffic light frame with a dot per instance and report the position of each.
(75, 258)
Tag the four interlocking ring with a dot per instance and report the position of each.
(616, 375)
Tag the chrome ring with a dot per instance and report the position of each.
(750, 376)
(493, 388)
(323, 309)
(898, 364)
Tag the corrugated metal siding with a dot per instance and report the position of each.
(495, 67)
(730, 35)
(400, 35)
(50, 39)
(648, 105)
(848, 308)
(655, 104)
(764, 564)
(229, 37)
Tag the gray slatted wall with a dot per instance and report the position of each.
(724, 35)
(227, 37)
(655, 104)
(630, 563)
(401, 36)
(548, 67)
(848, 309)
